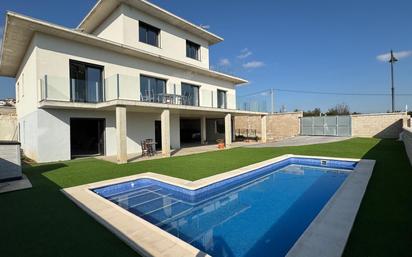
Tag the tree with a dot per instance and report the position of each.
(339, 109)
(314, 112)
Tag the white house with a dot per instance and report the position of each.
(130, 71)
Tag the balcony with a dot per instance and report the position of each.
(121, 87)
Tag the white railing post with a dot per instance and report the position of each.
(45, 87)
(118, 85)
(73, 96)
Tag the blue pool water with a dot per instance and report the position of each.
(260, 213)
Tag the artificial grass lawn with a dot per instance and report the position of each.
(42, 222)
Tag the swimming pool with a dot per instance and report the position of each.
(258, 213)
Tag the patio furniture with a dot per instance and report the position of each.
(150, 146)
(144, 148)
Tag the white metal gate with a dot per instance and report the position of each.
(326, 126)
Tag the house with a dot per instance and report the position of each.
(130, 71)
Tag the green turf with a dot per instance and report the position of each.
(42, 222)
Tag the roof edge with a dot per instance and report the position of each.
(170, 61)
(211, 37)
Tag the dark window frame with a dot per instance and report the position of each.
(192, 44)
(198, 92)
(225, 99)
(149, 28)
(156, 79)
(91, 65)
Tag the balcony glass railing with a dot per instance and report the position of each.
(74, 90)
(121, 87)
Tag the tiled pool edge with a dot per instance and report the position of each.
(144, 237)
(329, 232)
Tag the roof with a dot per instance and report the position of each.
(19, 30)
(104, 8)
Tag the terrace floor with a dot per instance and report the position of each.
(41, 221)
(299, 140)
(186, 149)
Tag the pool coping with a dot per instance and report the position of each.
(150, 240)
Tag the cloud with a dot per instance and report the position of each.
(399, 55)
(253, 65)
(224, 62)
(206, 26)
(244, 53)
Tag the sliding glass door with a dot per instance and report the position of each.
(190, 94)
(152, 89)
(86, 82)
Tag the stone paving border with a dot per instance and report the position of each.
(328, 233)
(150, 240)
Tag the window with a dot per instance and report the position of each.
(190, 94)
(152, 89)
(220, 126)
(221, 99)
(148, 34)
(86, 82)
(192, 50)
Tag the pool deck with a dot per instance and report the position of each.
(326, 235)
(184, 150)
(299, 141)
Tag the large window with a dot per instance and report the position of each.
(190, 94)
(192, 50)
(85, 82)
(148, 34)
(152, 89)
(221, 99)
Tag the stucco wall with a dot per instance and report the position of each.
(407, 140)
(122, 26)
(380, 125)
(47, 136)
(10, 164)
(278, 125)
(54, 54)
(8, 124)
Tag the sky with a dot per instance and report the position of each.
(311, 46)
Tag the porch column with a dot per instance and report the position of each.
(121, 134)
(203, 129)
(228, 129)
(165, 123)
(263, 120)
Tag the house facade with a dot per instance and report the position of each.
(130, 71)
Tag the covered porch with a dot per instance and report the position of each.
(199, 131)
(182, 151)
(175, 129)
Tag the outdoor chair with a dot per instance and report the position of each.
(144, 148)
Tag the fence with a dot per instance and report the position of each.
(326, 126)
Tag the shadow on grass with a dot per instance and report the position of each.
(43, 222)
(383, 226)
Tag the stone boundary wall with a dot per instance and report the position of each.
(278, 125)
(379, 125)
(8, 124)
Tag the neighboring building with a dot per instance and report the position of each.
(11, 102)
(130, 71)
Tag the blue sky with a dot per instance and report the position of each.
(317, 45)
